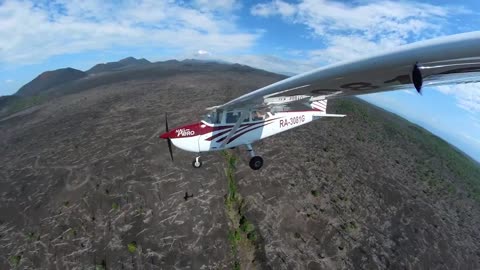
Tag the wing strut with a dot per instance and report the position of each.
(242, 117)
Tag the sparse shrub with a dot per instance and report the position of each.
(141, 210)
(234, 237)
(115, 206)
(243, 219)
(315, 193)
(132, 247)
(247, 227)
(297, 235)
(350, 226)
(451, 189)
(252, 236)
(31, 236)
(15, 260)
(72, 232)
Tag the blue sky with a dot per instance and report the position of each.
(280, 36)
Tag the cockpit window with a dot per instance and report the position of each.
(257, 116)
(232, 117)
(213, 118)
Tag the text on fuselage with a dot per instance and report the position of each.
(292, 121)
(184, 132)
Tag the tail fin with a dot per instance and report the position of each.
(320, 105)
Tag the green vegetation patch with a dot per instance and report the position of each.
(350, 226)
(23, 103)
(14, 260)
(32, 236)
(246, 227)
(132, 247)
(72, 232)
(115, 206)
(242, 234)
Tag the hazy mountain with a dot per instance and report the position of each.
(131, 69)
(129, 62)
(86, 183)
(49, 79)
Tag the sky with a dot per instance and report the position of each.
(287, 37)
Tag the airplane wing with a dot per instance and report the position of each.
(447, 60)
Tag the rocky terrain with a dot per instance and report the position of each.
(85, 183)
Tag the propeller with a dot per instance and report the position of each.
(166, 136)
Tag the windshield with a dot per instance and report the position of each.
(213, 117)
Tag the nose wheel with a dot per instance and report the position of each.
(256, 162)
(197, 163)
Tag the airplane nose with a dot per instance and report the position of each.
(165, 135)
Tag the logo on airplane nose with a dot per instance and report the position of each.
(184, 132)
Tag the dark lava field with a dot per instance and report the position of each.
(85, 182)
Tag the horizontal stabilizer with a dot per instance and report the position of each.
(332, 115)
(321, 115)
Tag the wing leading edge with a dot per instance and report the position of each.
(447, 60)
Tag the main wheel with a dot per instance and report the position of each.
(197, 163)
(256, 163)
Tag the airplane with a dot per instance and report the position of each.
(303, 98)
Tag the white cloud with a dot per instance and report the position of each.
(273, 8)
(271, 63)
(9, 81)
(217, 5)
(471, 140)
(410, 92)
(350, 30)
(467, 96)
(32, 32)
(202, 53)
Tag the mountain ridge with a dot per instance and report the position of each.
(125, 63)
(49, 79)
(52, 84)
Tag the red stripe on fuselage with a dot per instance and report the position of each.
(218, 135)
(242, 133)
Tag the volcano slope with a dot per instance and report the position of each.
(86, 183)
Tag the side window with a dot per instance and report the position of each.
(232, 117)
(247, 119)
(218, 118)
(257, 116)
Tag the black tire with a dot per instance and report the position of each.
(197, 165)
(256, 163)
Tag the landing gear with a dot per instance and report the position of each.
(197, 163)
(256, 162)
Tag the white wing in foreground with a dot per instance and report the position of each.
(446, 60)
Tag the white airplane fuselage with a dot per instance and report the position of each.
(204, 137)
